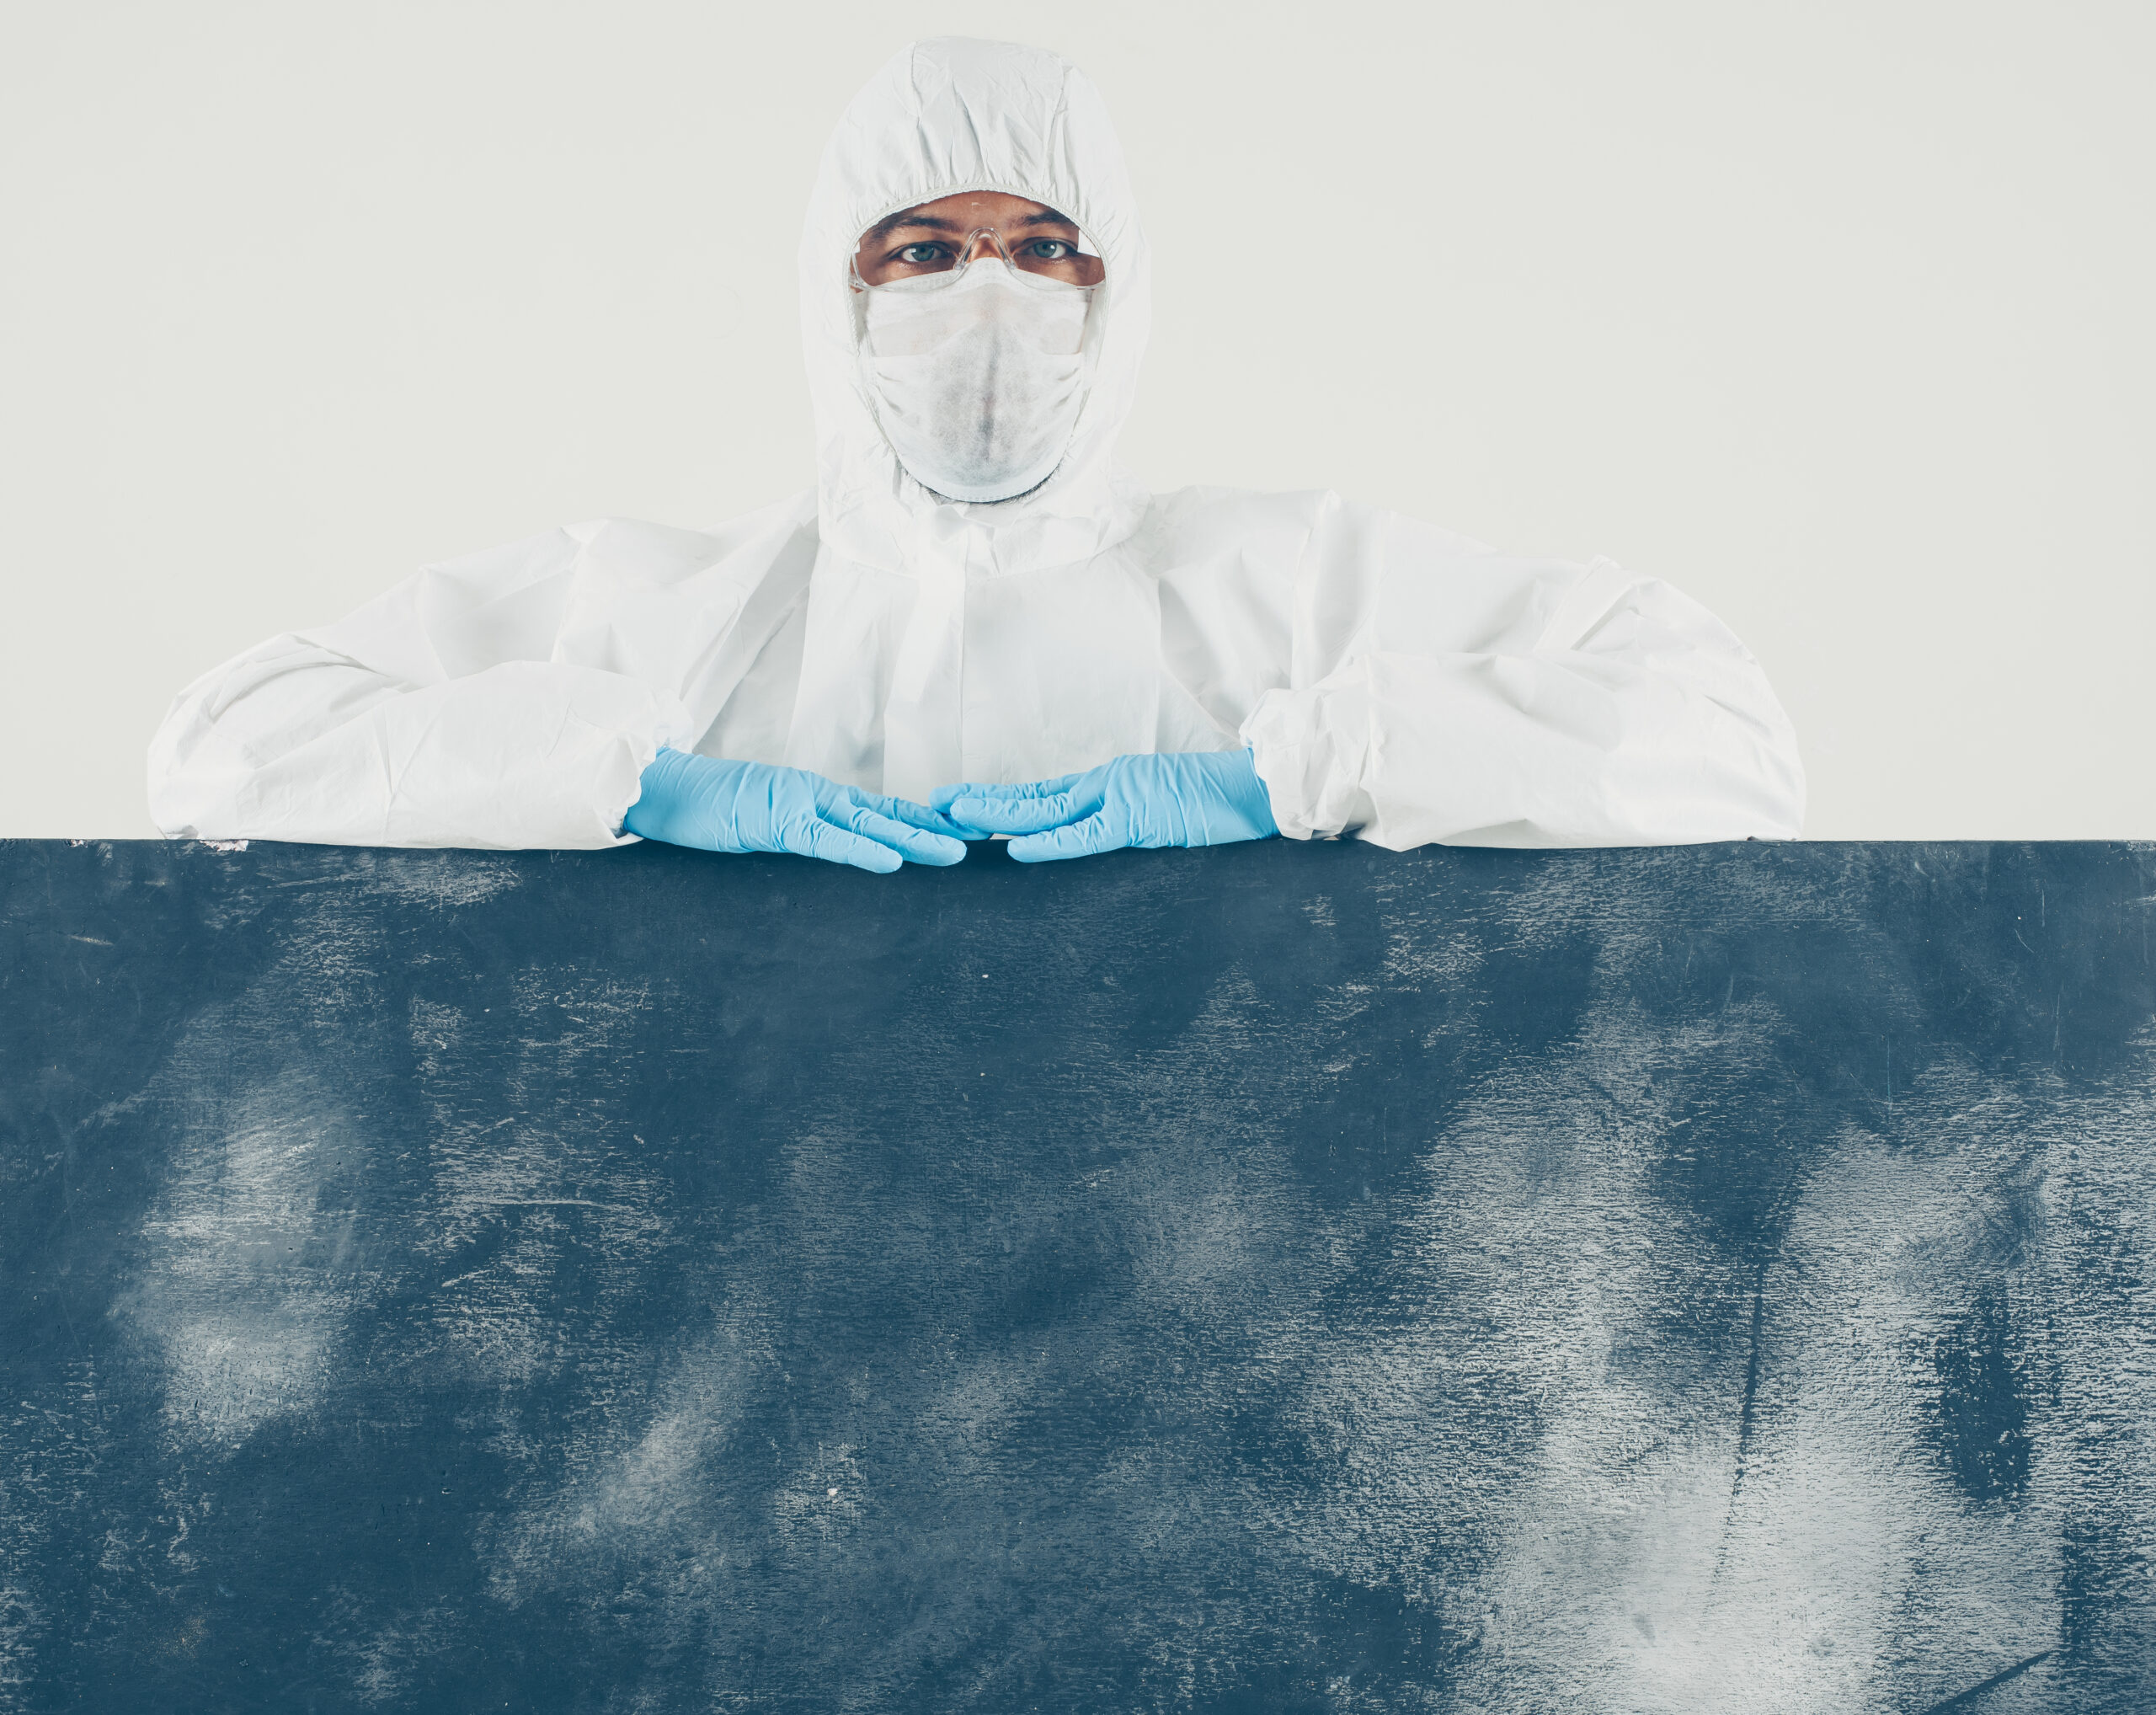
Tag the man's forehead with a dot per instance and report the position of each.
(970, 209)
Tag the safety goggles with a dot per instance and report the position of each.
(1046, 262)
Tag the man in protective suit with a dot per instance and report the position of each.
(974, 624)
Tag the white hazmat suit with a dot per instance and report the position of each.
(1392, 680)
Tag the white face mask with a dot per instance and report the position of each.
(977, 381)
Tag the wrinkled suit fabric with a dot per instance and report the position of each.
(1392, 680)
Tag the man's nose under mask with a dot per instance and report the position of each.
(977, 383)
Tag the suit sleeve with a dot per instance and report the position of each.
(1441, 693)
(437, 715)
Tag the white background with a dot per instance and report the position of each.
(1842, 317)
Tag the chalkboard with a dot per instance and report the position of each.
(1283, 1277)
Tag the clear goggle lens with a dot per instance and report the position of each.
(1050, 262)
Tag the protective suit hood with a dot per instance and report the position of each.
(941, 117)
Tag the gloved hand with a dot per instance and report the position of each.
(1193, 797)
(720, 806)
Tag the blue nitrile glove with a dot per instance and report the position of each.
(719, 806)
(1191, 798)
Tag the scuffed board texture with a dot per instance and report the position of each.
(1276, 1278)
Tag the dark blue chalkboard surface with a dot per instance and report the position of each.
(1275, 1277)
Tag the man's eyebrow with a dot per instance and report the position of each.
(908, 217)
(936, 223)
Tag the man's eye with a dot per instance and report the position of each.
(920, 255)
(1051, 249)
